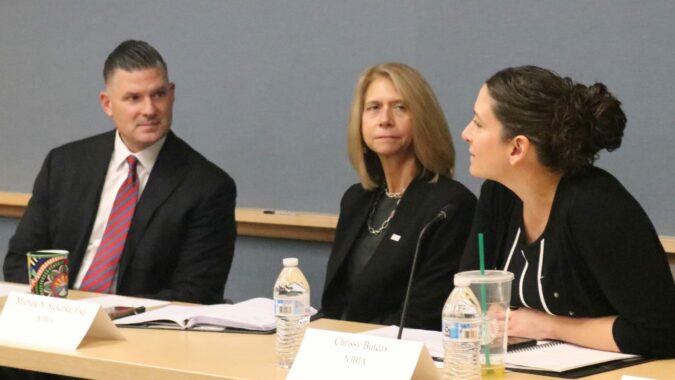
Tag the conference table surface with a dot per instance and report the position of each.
(176, 354)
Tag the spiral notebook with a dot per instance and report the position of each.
(566, 360)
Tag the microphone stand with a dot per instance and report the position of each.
(442, 215)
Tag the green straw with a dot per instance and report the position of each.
(483, 294)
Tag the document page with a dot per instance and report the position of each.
(432, 339)
(171, 314)
(256, 314)
(7, 287)
(558, 357)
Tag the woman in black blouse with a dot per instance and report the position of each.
(589, 267)
(400, 147)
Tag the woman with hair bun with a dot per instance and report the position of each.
(589, 267)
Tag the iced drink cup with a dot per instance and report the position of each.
(493, 290)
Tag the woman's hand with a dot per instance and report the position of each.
(530, 323)
(589, 332)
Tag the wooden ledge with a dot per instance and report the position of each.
(13, 204)
(285, 225)
(250, 222)
(264, 223)
(668, 244)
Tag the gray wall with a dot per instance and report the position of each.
(263, 88)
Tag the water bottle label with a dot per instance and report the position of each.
(458, 330)
(289, 307)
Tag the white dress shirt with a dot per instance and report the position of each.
(118, 169)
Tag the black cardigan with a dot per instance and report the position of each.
(599, 254)
(378, 292)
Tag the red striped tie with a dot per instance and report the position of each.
(102, 270)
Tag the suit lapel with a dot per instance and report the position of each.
(357, 219)
(94, 168)
(166, 175)
(403, 224)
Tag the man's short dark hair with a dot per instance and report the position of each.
(132, 55)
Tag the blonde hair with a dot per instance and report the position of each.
(432, 143)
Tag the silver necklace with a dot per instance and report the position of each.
(385, 224)
(390, 194)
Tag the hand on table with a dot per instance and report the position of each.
(530, 323)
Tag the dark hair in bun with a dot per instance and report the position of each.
(568, 122)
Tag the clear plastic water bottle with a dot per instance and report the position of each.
(291, 311)
(461, 333)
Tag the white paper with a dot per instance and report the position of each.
(559, 357)
(7, 287)
(433, 340)
(111, 300)
(177, 314)
(335, 355)
(253, 314)
(53, 322)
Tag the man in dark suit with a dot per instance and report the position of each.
(177, 242)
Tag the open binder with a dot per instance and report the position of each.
(254, 316)
(569, 361)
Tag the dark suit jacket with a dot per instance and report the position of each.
(378, 293)
(181, 241)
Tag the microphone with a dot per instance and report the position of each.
(441, 216)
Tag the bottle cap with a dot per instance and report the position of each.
(291, 262)
(462, 281)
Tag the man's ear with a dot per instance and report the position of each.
(104, 99)
(520, 148)
(172, 91)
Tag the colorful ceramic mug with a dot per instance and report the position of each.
(48, 272)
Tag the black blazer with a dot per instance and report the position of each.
(377, 295)
(181, 241)
(598, 256)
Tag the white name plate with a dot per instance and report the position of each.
(53, 322)
(335, 355)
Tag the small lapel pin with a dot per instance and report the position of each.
(395, 237)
